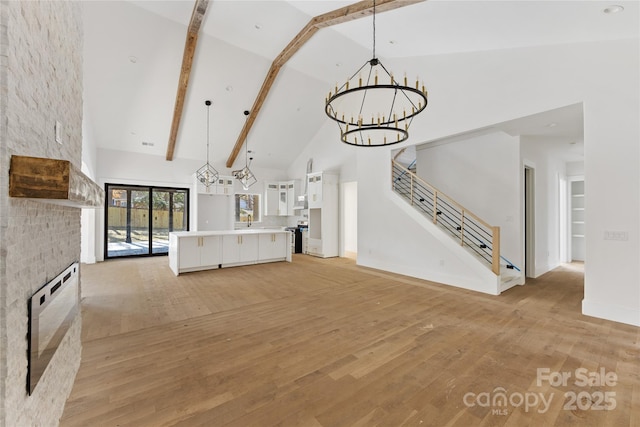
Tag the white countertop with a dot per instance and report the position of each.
(229, 232)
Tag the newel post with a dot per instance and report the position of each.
(495, 253)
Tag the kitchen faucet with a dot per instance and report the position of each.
(249, 220)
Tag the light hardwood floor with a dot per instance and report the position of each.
(323, 342)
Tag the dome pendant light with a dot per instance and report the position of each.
(372, 108)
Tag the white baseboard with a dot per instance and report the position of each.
(477, 284)
(616, 313)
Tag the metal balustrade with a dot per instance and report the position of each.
(463, 225)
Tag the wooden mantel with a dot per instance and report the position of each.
(54, 181)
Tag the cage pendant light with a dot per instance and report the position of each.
(207, 174)
(244, 175)
(372, 108)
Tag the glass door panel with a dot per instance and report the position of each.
(127, 222)
(118, 235)
(162, 217)
(139, 222)
(178, 205)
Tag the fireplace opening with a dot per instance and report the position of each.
(51, 311)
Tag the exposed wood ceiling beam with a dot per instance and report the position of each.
(197, 17)
(338, 16)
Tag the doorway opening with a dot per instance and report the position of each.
(577, 217)
(529, 222)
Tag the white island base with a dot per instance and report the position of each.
(206, 250)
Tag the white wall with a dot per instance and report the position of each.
(329, 154)
(348, 218)
(480, 172)
(575, 168)
(475, 90)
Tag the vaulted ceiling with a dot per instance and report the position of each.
(133, 53)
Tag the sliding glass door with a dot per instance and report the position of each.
(138, 219)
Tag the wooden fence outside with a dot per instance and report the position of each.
(140, 219)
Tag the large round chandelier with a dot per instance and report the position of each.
(372, 108)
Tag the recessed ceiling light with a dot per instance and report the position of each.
(133, 59)
(148, 144)
(229, 88)
(258, 26)
(613, 9)
(338, 64)
(393, 42)
(551, 125)
(572, 143)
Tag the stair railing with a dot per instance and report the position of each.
(472, 231)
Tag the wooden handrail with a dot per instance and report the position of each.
(399, 153)
(441, 194)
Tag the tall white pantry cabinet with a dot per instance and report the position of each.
(322, 193)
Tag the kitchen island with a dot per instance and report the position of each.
(206, 250)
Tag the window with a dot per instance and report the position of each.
(247, 208)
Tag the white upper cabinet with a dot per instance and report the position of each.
(314, 189)
(291, 197)
(223, 185)
(280, 198)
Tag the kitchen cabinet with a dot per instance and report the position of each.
(239, 249)
(272, 246)
(280, 198)
(291, 197)
(223, 186)
(204, 250)
(314, 190)
(271, 199)
(194, 253)
(322, 240)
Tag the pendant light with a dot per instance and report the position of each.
(207, 174)
(244, 175)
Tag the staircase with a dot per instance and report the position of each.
(474, 234)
